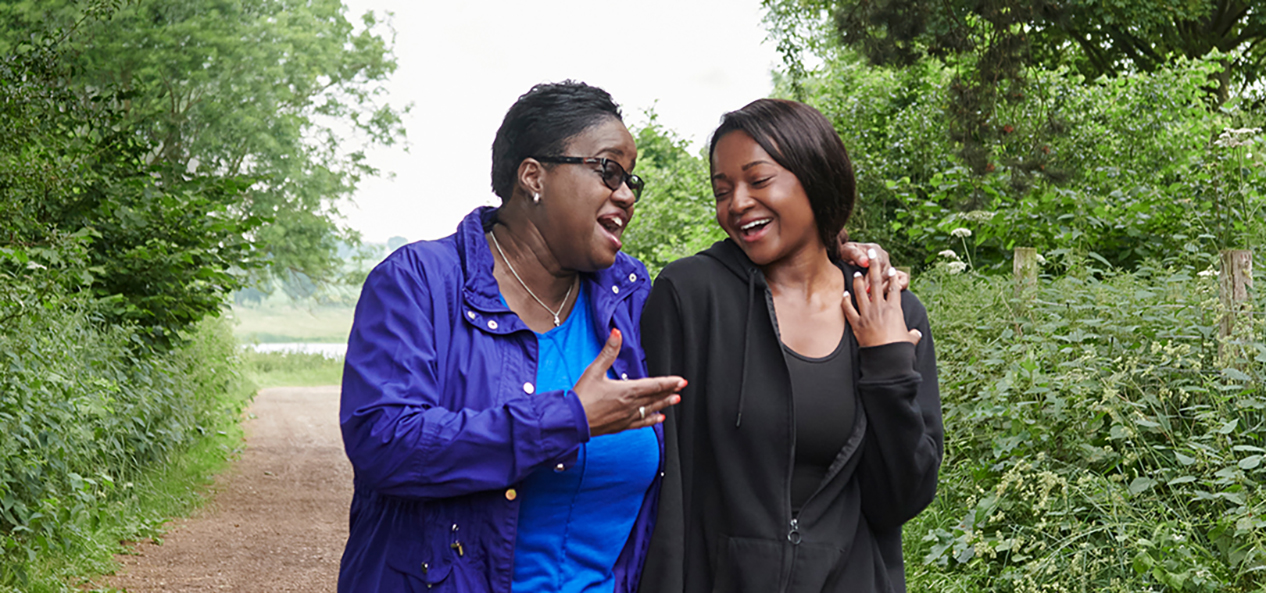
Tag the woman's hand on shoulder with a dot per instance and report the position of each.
(878, 318)
(612, 406)
(871, 255)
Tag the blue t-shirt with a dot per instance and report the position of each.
(574, 523)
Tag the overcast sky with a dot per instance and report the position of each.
(462, 64)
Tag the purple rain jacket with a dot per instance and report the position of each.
(441, 420)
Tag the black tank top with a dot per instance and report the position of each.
(825, 404)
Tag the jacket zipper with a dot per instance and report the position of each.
(793, 531)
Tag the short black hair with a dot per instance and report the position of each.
(800, 138)
(541, 122)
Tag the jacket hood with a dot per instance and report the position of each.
(730, 255)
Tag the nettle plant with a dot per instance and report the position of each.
(1104, 446)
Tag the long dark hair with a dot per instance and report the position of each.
(541, 122)
(800, 138)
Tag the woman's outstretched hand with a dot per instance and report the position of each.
(878, 318)
(612, 406)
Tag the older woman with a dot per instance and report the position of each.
(811, 429)
(496, 408)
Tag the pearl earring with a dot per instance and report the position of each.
(536, 198)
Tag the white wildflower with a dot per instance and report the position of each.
(960, 232)
(35, 266)
(1207, 273)
(956, 267)
(979, 216)
(948, 254)
(1236, 137)
(1041, 261)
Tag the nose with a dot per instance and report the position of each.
(624, 196)
(740, 200)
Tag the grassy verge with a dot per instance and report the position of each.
(287, 369)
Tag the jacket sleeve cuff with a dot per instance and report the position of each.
(889, 361)
(563, 425)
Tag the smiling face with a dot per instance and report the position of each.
(580, 218)
(759, 203)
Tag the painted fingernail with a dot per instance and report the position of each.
(871, 253)
(917, 333)
(677, 398)
(846, 294)
(892, 272)
(857, 274)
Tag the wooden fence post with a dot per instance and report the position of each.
(1025, 269)
(1234, 282)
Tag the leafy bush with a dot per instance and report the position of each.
(83, 417)
(1100, 436)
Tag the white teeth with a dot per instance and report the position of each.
(619, 222)
(754, 224)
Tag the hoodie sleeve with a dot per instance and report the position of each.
(904, 442)
(664, 343)
(405, 432)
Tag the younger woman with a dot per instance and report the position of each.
(811, 427)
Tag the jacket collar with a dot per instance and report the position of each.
(607, 286)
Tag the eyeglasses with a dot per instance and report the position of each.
(613, 173)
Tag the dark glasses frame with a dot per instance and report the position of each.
(613, 173)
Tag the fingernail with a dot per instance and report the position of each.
(677, 398)
(871, 253)
(857, 274)
(917, 333)
(892, 272)
(846, 294)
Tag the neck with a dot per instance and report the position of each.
(807, 271)
(526, 251)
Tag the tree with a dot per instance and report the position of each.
(85, 212)
(674, 217)
(993, 43)
(266, 89)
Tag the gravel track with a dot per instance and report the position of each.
(277, 520)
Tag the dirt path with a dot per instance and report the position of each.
(278, 520)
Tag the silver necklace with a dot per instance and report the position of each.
(505, 259)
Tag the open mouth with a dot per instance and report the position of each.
(614, 225)
(753, 228)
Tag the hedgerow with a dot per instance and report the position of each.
(1100, 436)
(84, 419)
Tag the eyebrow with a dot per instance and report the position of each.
(745, 167)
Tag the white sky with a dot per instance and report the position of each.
(462, 64)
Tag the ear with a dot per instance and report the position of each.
(531, 176)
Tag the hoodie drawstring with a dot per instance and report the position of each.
(747, 339)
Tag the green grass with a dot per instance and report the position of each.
(288, 369)
(275, 323)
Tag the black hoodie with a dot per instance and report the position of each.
(725, 521)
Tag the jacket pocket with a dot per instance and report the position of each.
(419, 574)
(749, 565)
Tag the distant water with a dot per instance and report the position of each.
(328, 350)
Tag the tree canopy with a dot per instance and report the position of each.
(272, 90)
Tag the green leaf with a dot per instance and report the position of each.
(1141, 484)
